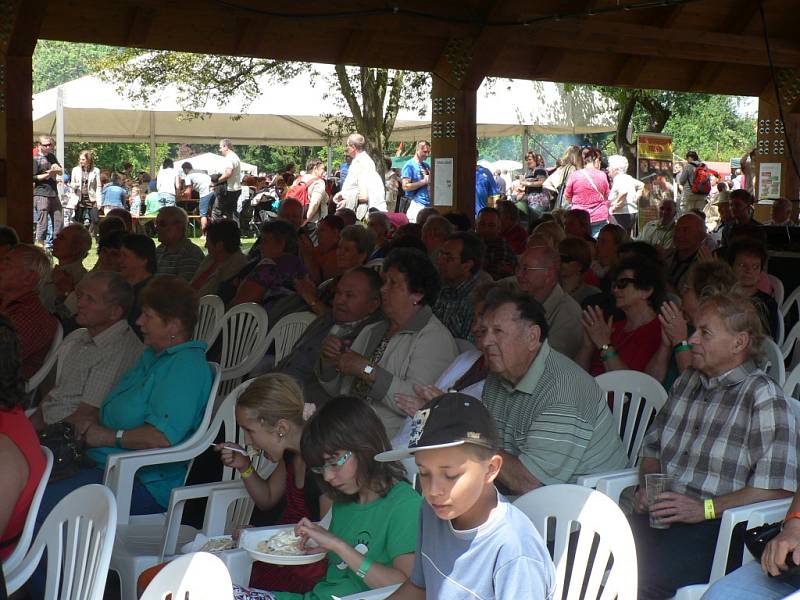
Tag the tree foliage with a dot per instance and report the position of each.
(56, 62)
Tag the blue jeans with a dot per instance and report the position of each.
(205, 204)
(596, 227)
(748, 582)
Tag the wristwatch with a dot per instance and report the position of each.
(368, 369)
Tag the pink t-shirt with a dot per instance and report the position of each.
(584, 196)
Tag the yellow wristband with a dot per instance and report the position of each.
(708, 506)
(248, 471)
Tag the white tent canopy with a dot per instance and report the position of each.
(291, 114)
(214, 163)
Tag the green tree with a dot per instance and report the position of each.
(368, 100)
(56, 62)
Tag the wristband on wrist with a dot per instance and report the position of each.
(790, 516)
(248, 471)
(683, 346)
(608, 355)
(118, 438)
(708, 507)
(364, 568)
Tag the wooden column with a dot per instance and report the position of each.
(17, 41)
(774, 135)
(453, 135)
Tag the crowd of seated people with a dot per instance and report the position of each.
(520, 321)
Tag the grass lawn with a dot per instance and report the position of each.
(90, 260)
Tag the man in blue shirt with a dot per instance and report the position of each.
(484, 187)
(416, 175)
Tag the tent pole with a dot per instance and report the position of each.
(330, 158)
(60, 125)
(525, 142)
(152, 144)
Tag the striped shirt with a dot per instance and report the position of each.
(90, 367)
(555, 420)
(716, 436)
(182, 261)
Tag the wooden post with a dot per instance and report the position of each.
(16, 116)
(772, 147)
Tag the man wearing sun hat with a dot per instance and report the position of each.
(465, 521)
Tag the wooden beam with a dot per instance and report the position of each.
(251, 32)
(139, 24)
(353, 46)
(631, 71)
(677, 43)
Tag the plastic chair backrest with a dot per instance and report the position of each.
(780, 332)
(791, 383)
(78, 536)
(209, 319)
(244, 336)
(778, 292)
(774, 365)
(636, 399)
(793, 299)
(561, 512)
(376, 264)
(49, 360)
(24, 541)
(196, 576)
(789, 347)
(287, 331)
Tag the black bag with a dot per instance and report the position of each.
(62, 440)
(756, 540)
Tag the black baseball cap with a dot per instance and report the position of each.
(452, 419)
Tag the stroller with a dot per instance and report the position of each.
(264, 207)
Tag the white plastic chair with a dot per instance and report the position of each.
(789, 348)
(588, 514)
(211, 311)
(24, 541)
(285, 333)
(644, 397)
(376, 264)
(376, 594)
(49, 360)
(792, 300)
(792, 381)
(774, 365)
(78, 535)
(780, 332)
(244, 343)
(778, 292)
(146, 540)
(196, 576)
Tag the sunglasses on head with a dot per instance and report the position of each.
(623, 282)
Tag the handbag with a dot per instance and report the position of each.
(757, 538)
(68, 450)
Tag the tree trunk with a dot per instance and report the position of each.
(624, 115)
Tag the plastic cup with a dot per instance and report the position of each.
(655, 484)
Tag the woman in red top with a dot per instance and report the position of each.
(21, 456)
(587, 189)
(638, 289)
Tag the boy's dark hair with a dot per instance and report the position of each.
(350, 424)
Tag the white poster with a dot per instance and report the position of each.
(769, 181)
(443, 182)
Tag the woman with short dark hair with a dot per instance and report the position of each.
(409, 347)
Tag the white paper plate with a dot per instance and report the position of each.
(197, 545)
(251, 546)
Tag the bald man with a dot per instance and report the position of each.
(689, 236)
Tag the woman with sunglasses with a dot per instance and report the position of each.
(373, 530)
(638, 289)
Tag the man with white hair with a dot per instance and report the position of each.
(689, 237)
(71, 246)
(21, 272)
(176, 254)
(624, 195)
(363, 188)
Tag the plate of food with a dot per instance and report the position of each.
(280, 546)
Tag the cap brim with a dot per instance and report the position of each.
(401, 453)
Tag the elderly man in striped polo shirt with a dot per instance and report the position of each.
(553, 420)
(176, 254)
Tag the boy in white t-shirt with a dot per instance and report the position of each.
(472, 542)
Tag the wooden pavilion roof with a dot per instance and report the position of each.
(696, 45)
